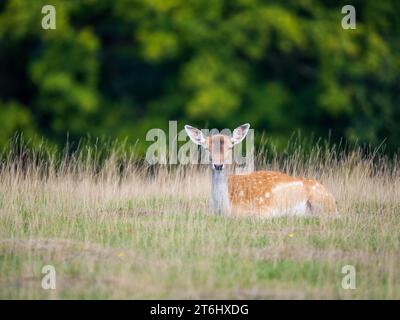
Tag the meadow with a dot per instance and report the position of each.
(116, 229)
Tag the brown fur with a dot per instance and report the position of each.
(259, 192)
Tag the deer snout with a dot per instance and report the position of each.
(217, 167)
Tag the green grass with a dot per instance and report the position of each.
(153, 238)
(122, 255)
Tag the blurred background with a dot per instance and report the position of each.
(119, 68)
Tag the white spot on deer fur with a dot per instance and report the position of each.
(299, 209)
(279, 187)
(267, 195)
(241, 193)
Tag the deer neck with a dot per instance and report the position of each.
(219, 193)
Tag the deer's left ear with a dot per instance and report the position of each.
(240, 133)
(196, 135)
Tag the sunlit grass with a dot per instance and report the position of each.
(123, 233)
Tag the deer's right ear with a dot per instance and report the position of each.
(195, 135)
(240, 133)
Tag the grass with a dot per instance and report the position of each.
(117, 233)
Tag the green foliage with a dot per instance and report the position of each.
(119, 68)
(15, 117)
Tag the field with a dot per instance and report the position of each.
(120, 231)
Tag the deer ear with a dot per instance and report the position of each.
(240, 133)
(195, 135)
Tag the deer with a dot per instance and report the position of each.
(264, 193)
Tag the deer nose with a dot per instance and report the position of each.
(218, 166)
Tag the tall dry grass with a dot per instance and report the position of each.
(115, 228)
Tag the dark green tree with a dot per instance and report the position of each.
(119, 68)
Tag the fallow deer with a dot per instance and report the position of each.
(266, 193)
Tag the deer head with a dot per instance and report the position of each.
(219, 146)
